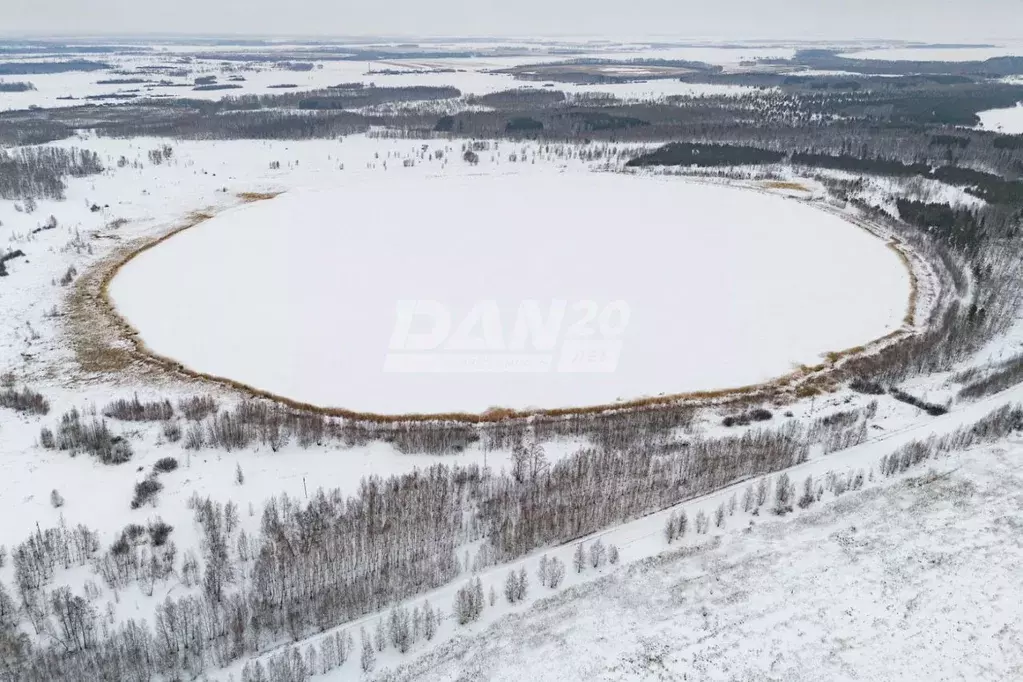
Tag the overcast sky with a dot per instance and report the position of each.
(927, 20)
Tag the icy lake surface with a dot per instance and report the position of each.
(463, 293)
(1008, 120)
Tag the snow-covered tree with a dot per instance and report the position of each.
(368, 659)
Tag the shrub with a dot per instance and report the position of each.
(861, 385)
(195, 437)
(25, 400)
(159, 532)
(165, 465)
(145, 492)
(744, 419)
(56, 500)
(132, 532)
(75, 436)
(229, 432)
(136, 411)
(171, 431)
(809, 496)
(197, 407)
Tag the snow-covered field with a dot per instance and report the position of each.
(301, 295)
(910, 581)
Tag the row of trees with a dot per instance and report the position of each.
(269, 424)
(318, 564)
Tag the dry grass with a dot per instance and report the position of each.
(897, 246)
(102, 341)
(250, 197)
(786, 184)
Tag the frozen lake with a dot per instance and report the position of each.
(439, 294)
(1008, 121)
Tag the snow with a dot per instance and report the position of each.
(757, 574)
(473, 76)
(912, 581)
(299, 295)
(921, 589)
(1008, 120)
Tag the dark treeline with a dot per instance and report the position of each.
(936, 99)
(518, 97)
(589, 70)
(46, 48)
(323, 53)
(246, 125)
(849, 82)
(1009, 142)
(829, 60)
(39, 172)
(32, 128)
(341, 96)
(953, 225)
(365, 97)
(209, 87)
(16, 86)
(34, 68)
(704, 155)
(984, 185)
